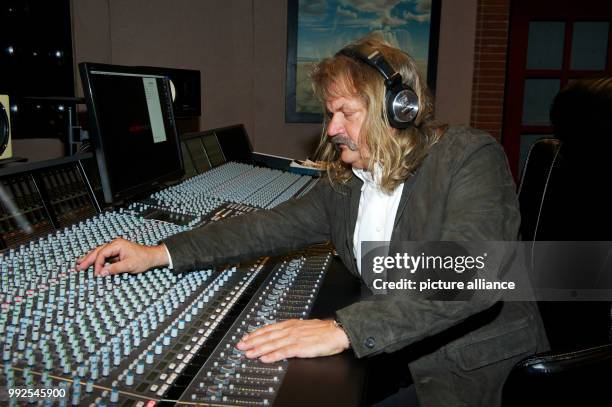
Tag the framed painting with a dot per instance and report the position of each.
(317, 29)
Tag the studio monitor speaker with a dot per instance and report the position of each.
(185, 86)
(6, 150)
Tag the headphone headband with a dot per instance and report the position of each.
(376, 61)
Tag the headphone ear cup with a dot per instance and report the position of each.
(402, 106)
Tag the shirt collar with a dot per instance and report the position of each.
(371, 179)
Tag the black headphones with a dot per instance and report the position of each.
(401, 101)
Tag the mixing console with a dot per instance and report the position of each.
(234, 182)
(228, 377)
(37, 202)
(23, 214)
(154, 338)
(69, 199)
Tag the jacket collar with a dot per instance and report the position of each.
(353, 186)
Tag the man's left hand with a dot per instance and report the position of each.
(294, 338)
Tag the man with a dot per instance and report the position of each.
(393, 175)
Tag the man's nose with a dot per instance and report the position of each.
(334, 126)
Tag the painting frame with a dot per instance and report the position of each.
(291, 114)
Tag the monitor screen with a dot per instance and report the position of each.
(213, 150)
(133, 128)
(235, 143)
(190, 168)
(197, 154)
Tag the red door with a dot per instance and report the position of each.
(551, 42)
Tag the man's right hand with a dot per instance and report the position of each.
(123, 256)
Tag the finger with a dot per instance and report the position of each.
(110, 250)
(117, 267)
(271, 327)
(270, 346)
(253, 341)
(284, 352)
(309, 346)
(87, 260)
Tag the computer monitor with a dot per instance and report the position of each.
(133, 129)
(235, 143)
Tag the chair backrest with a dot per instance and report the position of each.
(563, 196)
(538, 170)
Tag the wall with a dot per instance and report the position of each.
(240, 48)
(209, 36)
(456, 61)
(490, 59)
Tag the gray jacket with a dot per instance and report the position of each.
(462, 350)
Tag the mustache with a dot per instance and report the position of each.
(337, 140)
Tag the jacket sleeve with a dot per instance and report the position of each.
(481, 206)
(292, 225)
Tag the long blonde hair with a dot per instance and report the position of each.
(399, 152)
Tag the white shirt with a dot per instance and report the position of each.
(377, 211)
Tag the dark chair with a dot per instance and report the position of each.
(558, 203)
(563, 197)
(579, 378)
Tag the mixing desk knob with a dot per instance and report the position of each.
(228, 368)
(76, 397)
(21, 343)
(94, 371)
(221, 379)
(114, 396)
(214, 391)
(129, 378)
(6, 354)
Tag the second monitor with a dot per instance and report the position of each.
(207, 149)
